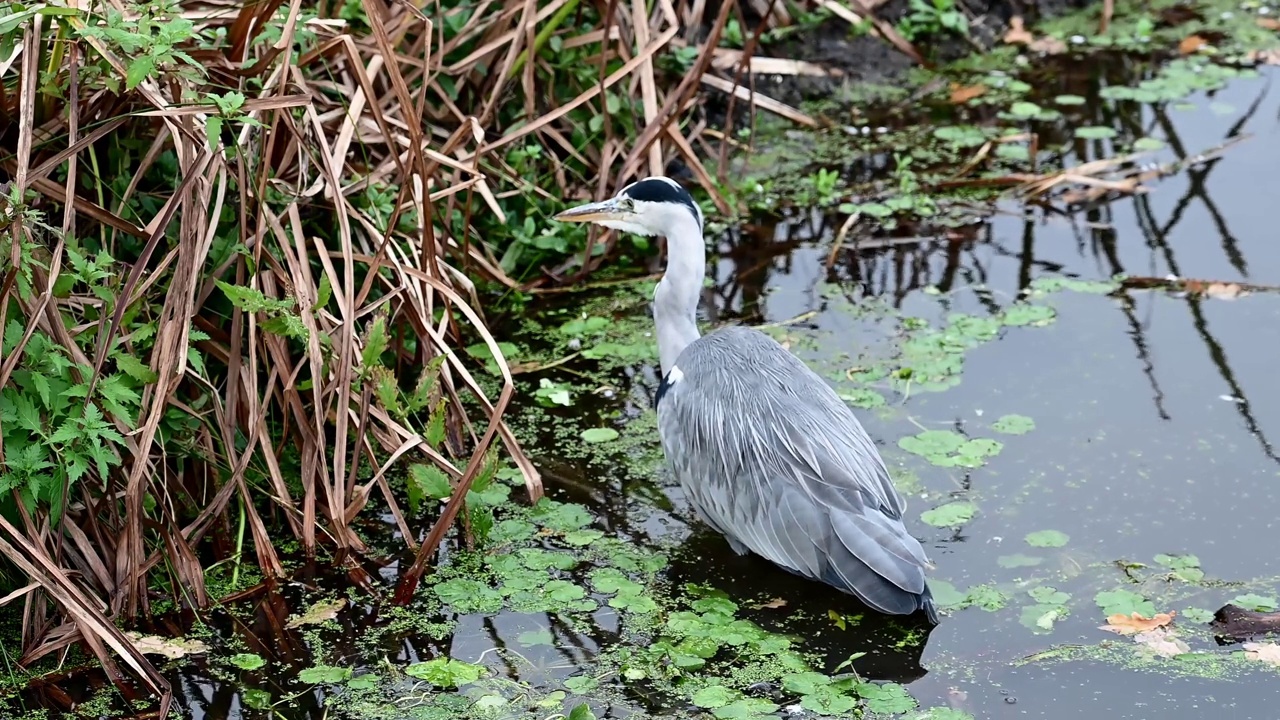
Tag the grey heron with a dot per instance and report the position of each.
(767, 452)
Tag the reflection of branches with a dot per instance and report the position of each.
(1157, 240)
(1144, 355)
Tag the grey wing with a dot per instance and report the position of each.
(775, 461)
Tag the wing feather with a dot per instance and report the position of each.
(774, 460)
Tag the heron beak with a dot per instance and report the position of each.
(594, 212)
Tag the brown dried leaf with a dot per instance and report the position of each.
(1268, 653)
(1163, 642)
(320, 612)
(773, 604)
(964, 93)
(1017, 33)
(172, 648)
(1268, 23)
(1048, 45)
(1265, 57)
(1136, 623)
(1191, 44)
(1223, 291)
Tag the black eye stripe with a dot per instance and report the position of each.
(661, 190)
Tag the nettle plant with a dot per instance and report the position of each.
(59, 428)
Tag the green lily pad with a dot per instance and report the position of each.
(445, 672)
(714, 696)
(1014, 425)
(1095, 133)
(324, 675)
(952, 514)
(1047, 538)
(1124, 602)
(247, 661)
(946, 448)
(1022, 314)
(599, 435)
(1257, 603)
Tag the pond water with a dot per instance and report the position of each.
(1156, 416)
(1156, 422)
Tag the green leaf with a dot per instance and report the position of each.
(364, 682)
(986, 597)
(946, 448)
(946, 595)
(1069, 100)
(1196, 615)
(1183, 567)
(1047, 539)
(952, 514)
(1095, 133)
(805, 683)
(745, 709)
(213, 130)
(1147, 144)
(1024, 110)
(430, 481)
(1014, 425)
(138, 70)
(445, 672)
(1041, 617)
(1018, 560)
(376, 344)
(325, 293)
(135, 368)
(713, 696)
(828, 700)
(888, 698)
(1023, 314)
(247, 661)
(1124, 602)
(581, 684)
(1046, 595)
(324, 675)
(468, 596)
(1257, 603)
(581, 712)
(599, 435)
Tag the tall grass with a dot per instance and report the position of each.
(243, 241)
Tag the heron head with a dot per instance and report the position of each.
(653, 206)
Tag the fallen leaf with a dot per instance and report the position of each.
(1048, 45)
(172, 648)
(964, 93)
(1018, 33)
(1163, 642)
(1268, 653)
(1136, 623)
(318, 613)
(1223, 291)
(1267, 23)
(1191, 44)
(773, 604)
(1264, 57)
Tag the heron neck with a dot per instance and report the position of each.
(675, 302)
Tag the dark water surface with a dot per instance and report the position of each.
(1157, 415)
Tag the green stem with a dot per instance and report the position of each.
(543, 36)
(235, 568)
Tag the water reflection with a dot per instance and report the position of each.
(1154, 408)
